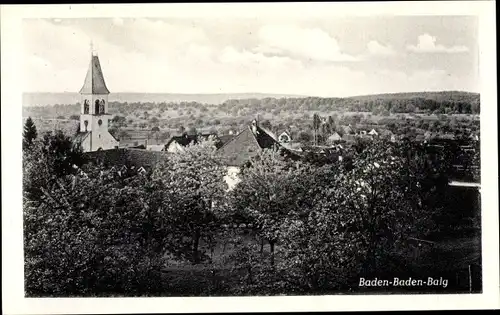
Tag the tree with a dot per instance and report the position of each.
(331, 125)
(181, 129)
(165, 135)
(316, 125)
(74, 117)
(95, 233)
(266, 124)
(304, 136)
(52, 157)
(359, 220)
(192, 131)
(29, 134)
(119, 121)
(195, 178)
(123, 135)
(268, 191)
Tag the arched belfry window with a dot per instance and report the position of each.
(96, 107)
(101, 107)
(86, 123)
(86, 107)
(99, 122)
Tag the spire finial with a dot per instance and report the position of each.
(91, 48)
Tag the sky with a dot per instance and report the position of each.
(334, 57)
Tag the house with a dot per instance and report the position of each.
(349, 137)
(387, 134)
(348, 130)
(285, 137)
(334, 137)
(474, 137)
(93, 132)
(373, 132)
(177, 143)
(244, 146)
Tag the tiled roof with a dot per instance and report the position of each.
(385, 132)
(186, 139)
(334, 136)
(245, 145)
(128, 156)
(347, 129)
(94, 81)
(225, 138)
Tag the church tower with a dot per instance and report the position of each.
(94, 114)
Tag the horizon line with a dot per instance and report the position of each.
(261, 93)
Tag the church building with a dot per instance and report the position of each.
(94, 116)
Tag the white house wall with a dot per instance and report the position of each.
(174, 147)
(232, 178)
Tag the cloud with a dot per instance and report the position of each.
(427, 44)
(309, 43)
(375, 48)
(118, 21)
(145, 55)
(230, 55)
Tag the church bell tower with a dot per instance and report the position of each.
(94, 115)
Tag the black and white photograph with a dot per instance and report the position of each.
(237, 151)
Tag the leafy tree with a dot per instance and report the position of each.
(123, 135)
(95, 233)
(119, 121)
(181, 129)
(304, 137)
(267, 193)
(29, 134)
(74, 117)
(331, 125)
(266, 124)
(192, 131)
(316, 125)
(156, 132)
(53, 156)
(195, 178)
(165, 135)
(355, 223)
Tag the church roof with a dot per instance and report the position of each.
(94, 81)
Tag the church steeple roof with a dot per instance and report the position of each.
(94, 81)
